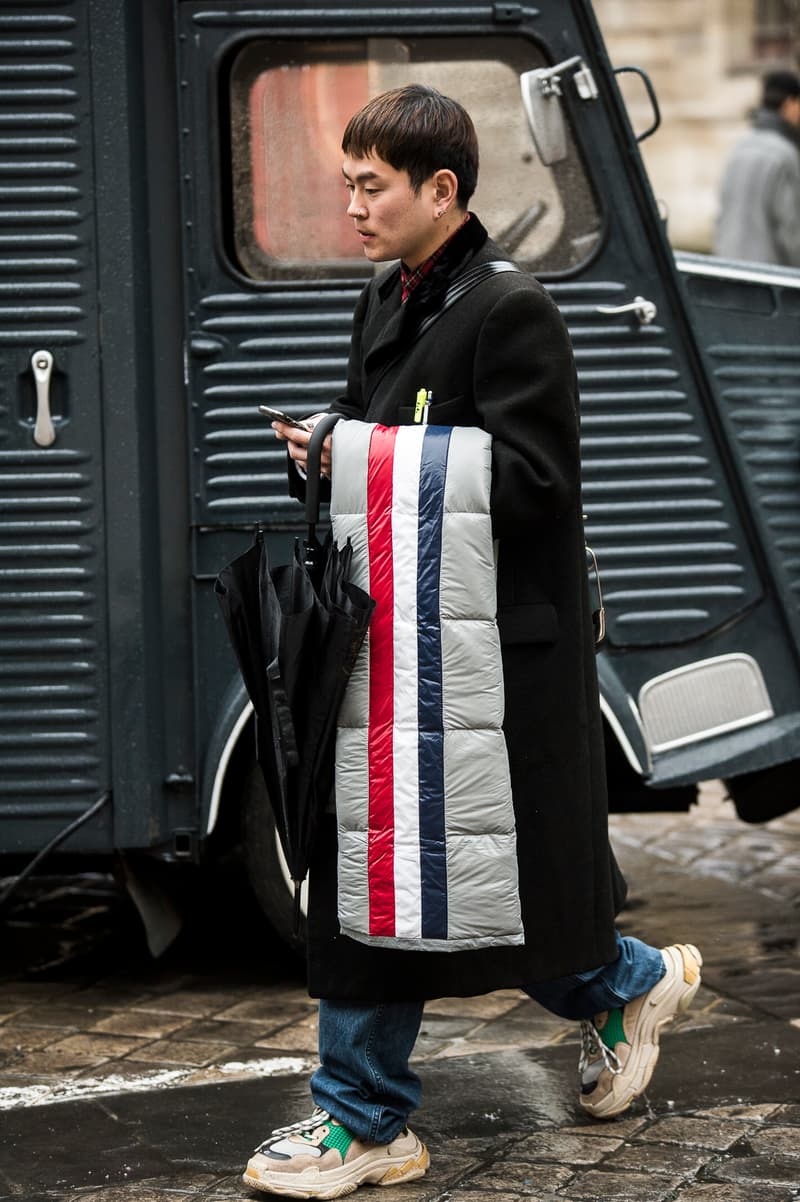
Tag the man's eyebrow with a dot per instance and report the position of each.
(362, 175)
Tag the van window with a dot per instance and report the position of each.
(290, 102)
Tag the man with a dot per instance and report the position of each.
(498, 359)
(759, 217)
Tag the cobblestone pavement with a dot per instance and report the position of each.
(129, 1081)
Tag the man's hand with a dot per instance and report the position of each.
(298, 443)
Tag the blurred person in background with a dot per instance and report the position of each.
(759, 216)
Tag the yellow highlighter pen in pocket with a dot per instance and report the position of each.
(422, 405)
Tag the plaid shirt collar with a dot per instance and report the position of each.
(409, 280)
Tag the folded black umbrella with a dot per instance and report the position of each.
(296, 629)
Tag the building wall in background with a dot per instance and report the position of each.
(706, 59)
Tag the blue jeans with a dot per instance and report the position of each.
(364, 1079)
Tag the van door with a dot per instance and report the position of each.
(53, 678)
(272, 277)
(747, 318)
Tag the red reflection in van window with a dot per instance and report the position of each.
(297, 117)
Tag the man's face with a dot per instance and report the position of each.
(392, 220)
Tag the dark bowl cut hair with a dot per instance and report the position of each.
(780, 86)
(418, 130)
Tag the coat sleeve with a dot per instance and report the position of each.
(526, 395)
(786, 212)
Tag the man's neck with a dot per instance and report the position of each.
(447, 232)
(411, 278)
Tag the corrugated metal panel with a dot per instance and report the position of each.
(287, 348)
(760, 387)
(660, 518)
(52, 753)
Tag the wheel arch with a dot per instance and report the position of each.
(221, 765)
(628, 763)
(621, 717)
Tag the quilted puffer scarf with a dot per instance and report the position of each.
(427, 846)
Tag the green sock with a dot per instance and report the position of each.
(613, 1031)
(340, 1138)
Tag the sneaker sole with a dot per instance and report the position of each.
(346, 1180)
(639, 1069)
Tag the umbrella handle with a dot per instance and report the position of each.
(321, 432)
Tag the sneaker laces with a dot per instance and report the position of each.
(591, 1045)
(316, 1119)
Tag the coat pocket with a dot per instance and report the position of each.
(519, 624)
(440, 413)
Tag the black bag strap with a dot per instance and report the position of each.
(464, 284)
(460, 287)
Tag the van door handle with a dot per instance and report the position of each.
(644, 310)
(44, 434)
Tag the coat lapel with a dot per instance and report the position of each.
(394, 324)
(384, 331)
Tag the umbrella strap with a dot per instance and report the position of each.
(321, 432)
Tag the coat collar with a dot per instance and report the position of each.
(394, 323)
(466, 241)
(769, 119)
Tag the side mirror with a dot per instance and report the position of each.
(542, 101)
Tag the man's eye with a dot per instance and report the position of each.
(372, 191)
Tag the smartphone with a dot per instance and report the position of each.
(277, 415)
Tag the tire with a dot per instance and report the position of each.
(266, 865)
(627, 792)
(760, 796)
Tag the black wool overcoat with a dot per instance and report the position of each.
(500, 358)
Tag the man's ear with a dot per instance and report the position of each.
(445, 187)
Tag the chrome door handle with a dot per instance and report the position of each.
(44, 434)
(644, 310)
(599, 615)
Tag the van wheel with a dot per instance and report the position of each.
(265, 862)
(760, 796)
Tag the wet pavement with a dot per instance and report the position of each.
(126, 1080)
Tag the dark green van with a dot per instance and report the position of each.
(173, 252)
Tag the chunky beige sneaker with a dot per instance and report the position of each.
(319, 1158)
(620, 1048)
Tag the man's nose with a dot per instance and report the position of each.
(355, 208)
